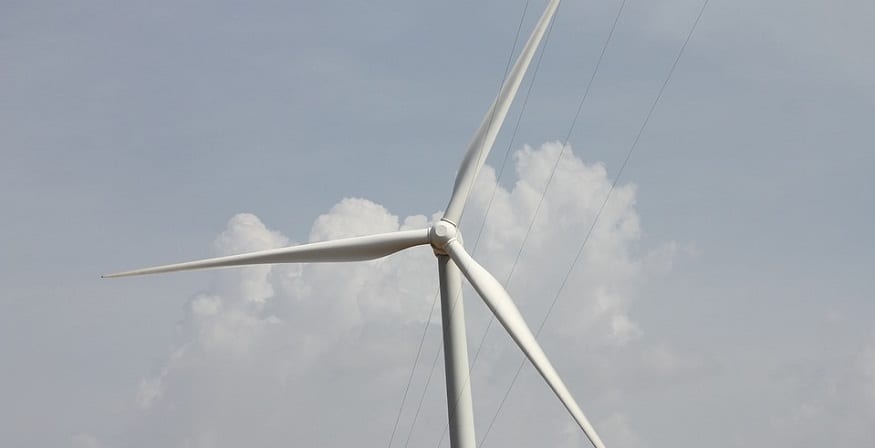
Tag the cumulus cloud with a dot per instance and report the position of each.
(319, 353)
(609, 270)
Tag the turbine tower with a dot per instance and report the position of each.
(453, 262)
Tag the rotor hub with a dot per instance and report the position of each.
(441, 234)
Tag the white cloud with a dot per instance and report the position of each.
(289, 352)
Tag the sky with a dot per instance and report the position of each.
(725, 298)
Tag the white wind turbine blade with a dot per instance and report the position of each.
(498, 300)
(483, 140)
(347, 249)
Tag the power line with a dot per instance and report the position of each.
(434, 301)
(547, 185)
(489, 206)
(413, 370)
(605, 201)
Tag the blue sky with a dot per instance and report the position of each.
(133, 135)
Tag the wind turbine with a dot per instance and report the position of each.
(453, 261)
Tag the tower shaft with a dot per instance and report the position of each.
(459, 405)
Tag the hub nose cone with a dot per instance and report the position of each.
(442, 233)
